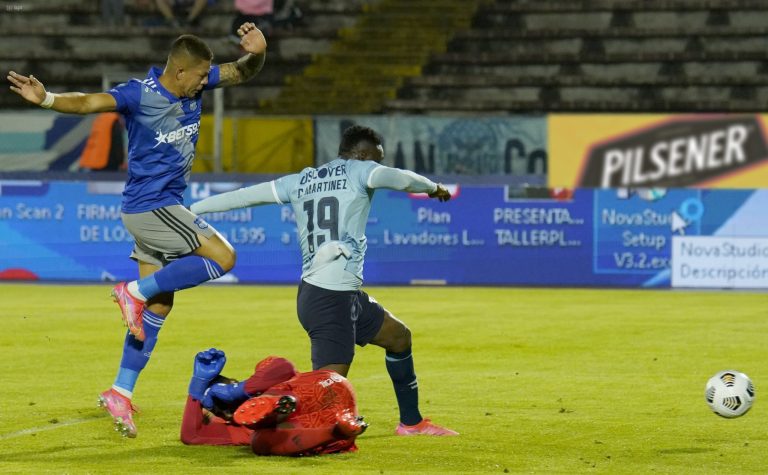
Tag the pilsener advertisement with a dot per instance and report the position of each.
(657, 151)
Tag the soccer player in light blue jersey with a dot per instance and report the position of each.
(331, 204)
(174, 248)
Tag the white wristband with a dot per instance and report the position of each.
(48, 101)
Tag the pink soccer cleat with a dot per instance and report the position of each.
(121, 409)
(131, 308)
(425, 427)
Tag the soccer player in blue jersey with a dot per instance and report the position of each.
(331, 204)
(174, 249)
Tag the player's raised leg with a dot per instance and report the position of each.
(190, 251)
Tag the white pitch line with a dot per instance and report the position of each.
(35, 430)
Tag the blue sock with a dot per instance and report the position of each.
(400, 369)
(180, 274)
(136, 353)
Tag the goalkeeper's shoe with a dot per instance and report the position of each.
(348, 425)
(131, 308)
(257, 409)
(425, 427)
(121, 409)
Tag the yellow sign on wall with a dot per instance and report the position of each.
(664, 151)
(258, 145)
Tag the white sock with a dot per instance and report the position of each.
(123, 391)
(133, 289)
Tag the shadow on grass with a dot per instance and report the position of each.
(86, 455)
(686, 450)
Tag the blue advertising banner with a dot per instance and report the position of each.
(486, 235)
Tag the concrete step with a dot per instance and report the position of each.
(590, 31)
(472, 81)
(132, 31)
(612, 5)
(492, 58)
(53, 14)
(441, 107)
(646, 70)
(89, 47)
(606, 93)
(610, 46)
(61, 77)
(147, 57)
(593, 20)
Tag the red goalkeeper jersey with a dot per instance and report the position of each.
(320, 394)
(321, 397)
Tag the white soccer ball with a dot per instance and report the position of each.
(730, 393)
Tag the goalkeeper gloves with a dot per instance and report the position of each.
(227, 393)
(208, 365)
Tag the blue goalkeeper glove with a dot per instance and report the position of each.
(208, 365)
(227, 393)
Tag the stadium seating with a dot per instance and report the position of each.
(65, 45)
(367, 64)
(622, 55)
(421, 56)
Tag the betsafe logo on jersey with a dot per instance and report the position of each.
(676, 153)
(177, 135)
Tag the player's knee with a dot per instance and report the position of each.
(228, 261)
(406, 338)
(401, 340)
(220, 251)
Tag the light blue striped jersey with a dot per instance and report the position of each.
(331, 204)
(162, 135)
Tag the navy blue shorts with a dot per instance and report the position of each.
(337, 320)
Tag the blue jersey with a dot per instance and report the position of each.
(162, 135)
(331, 204)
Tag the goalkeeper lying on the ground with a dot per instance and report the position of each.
(277, 411)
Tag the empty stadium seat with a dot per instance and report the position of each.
(625, 55)
(65, 45)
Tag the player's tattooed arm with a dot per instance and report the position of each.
(242, 70)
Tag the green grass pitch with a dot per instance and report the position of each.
(536, 380)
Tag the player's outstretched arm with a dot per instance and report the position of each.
(244, 69)
(260, 194)
(33, 91)
(406, 180)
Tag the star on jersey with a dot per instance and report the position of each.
(177, 135)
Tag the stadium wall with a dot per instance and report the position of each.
(479, 146)
(486, 235)
(585, 150)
